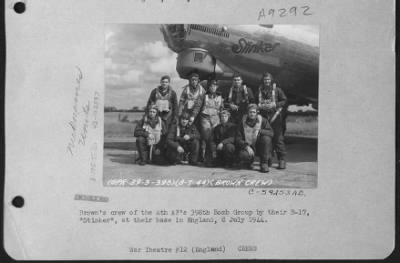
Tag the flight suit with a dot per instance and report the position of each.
(167, 104)
(224, 133)
(209, 118)
(241, 97)
(258, 135)
(191, 100)
(278, 96)
(191, 146)
(143, 129)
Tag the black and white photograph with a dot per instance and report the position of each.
(201, 105)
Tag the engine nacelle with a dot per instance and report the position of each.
(200, 61)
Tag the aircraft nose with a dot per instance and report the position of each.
(174, 35)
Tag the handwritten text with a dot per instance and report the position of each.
(285, 12)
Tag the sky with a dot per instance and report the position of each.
(136, 57)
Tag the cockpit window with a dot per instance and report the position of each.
(177, 31)
(210, 30)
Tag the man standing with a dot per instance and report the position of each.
(208, 119)
(271, 101)
(164, 97)
(254, 137)
(239, 97)
(192, 97)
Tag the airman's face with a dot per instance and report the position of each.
(237, 81)
(194, 81)
(224, 117)
(164, 83)
(184, 122)
(213, 88)
(252, 114)
(152, 113)
(267, 81)
(191, 120)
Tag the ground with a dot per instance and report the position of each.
(120, 169)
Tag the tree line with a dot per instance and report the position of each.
(133, 109)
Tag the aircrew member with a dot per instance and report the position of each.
(166, 100)
(150, 135)
(209, 118)
(192, 97)
(224, 141)
(254, 137)
(183, 141)
(239, 97)
(271, 101)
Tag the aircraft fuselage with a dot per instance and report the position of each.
(290, 53)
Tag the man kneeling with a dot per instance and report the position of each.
(150, 137)
(223, 140)
(183, 142)
(254, 137)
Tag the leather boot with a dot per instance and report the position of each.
(269, 162)
(264, 168)
(145, 158)
(282, 164)
(247, 166)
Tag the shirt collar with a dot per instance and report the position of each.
(163, 91)
(249, 121)
(237, 88)
(264, 88)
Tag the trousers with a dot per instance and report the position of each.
(144, 151)
(226, 155)
(278, 139)
(263, 149)
(191, 147)
(207, 146)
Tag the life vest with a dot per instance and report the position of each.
(262, 101)
(156, 131)
(251, 133)
(191, 98)
(245, 92)
(211, 108)
(162, 102)
(212, 105)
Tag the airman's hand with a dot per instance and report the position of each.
(234, 107)
(180, 149)
(186, 137)
(250, 151)
(220, 146)
(270, 106)
(262, 107)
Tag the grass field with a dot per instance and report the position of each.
(302, 125)
(122, 125)
(115, 128)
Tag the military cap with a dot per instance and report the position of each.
(152, 106)
(194, 74)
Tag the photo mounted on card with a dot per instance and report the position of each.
(159, 130)
(157, 77)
